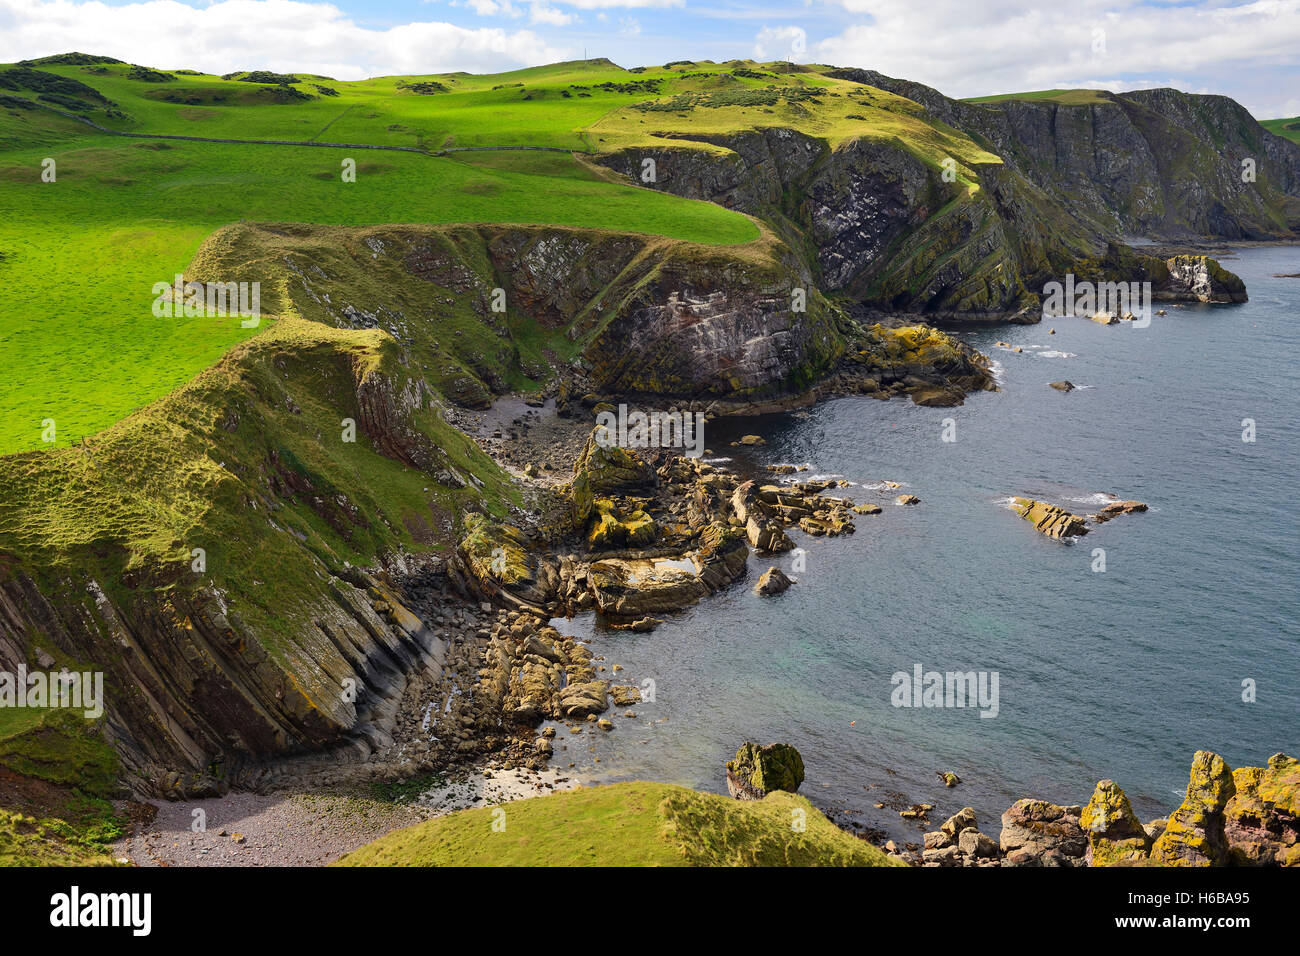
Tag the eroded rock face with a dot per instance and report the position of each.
(1203, 279)
(1120, 163)
(1262, 818)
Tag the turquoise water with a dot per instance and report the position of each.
(1120, 674)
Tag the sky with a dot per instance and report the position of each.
(1247, 50)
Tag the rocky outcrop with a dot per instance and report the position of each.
(1115, 835)
(1262, 817)
(167, 591)
(1049, 519)
(1195, 834)
(757, 771)
(1245, 817)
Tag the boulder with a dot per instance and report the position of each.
(945, 856)
(580, 700)
(961, 820)
(1115, 835)
(772, 581)
(1038, 833)
(1195, 833)
(757, 771)
(907, 500)
(976, 844)
(1062, 386)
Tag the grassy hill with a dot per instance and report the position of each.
(627, 824)
(1286, 128)
(1062, 97)
(79, 256)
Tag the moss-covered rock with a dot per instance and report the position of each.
(615, 528)
(757, 771)
(1115, 835)
(1261, 823)
(604, 467)
(1195, 833)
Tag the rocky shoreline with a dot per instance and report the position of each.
(633, 538)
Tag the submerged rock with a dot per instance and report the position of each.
(1116, 508)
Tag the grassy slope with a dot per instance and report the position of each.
(191, 471)
(626, 824)
(1286, 128)
(80, 344)
(57, 811)
(80, 256)
(1063, 97)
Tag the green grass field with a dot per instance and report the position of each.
(627, 824)
(1286, 128)
(79, 257)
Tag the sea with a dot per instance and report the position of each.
(1117, 655)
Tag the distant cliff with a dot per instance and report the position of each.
(881, 225)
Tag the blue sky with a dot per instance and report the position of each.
(1247, 50)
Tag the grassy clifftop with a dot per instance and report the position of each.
(627, 824)
(202, 552)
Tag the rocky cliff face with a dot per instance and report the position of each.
(874, 221)
(1158, 163)
(632, 314)
(881, 226)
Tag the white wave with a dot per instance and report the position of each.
(1097, 498)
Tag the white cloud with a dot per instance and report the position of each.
(629, 27)
(781, 43)
(284, 35)
(541, 13)
(1004, 46)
